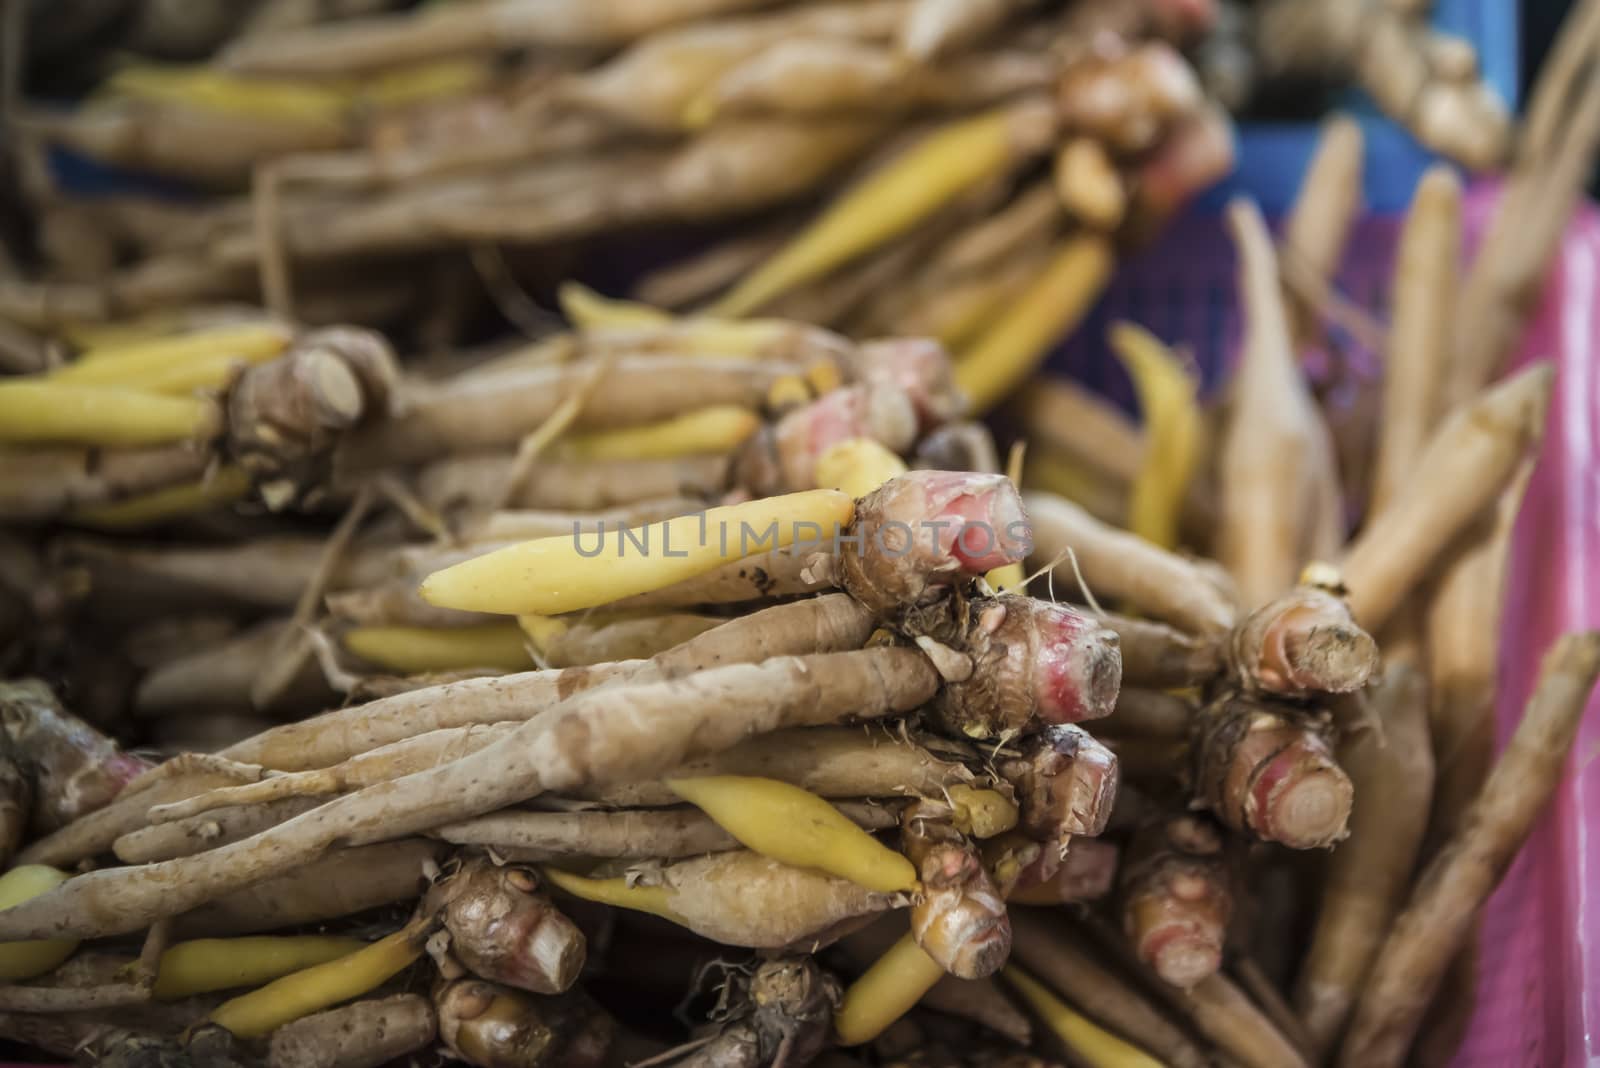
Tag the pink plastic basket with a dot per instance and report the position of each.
(1538, 1000)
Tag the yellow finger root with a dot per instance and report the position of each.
(1172, 423)
(568, 573)
(885, 992)
(40, 412)
(321, 986)
(223, 488)
(587, 310)
(1093, 1045)
(887, 203)
(858, 467)
(132, 363)
(418, 650)
(1004, 355)
(208, 964)
(29, 960)
(616, 893)
(797, 827)
(706, 432)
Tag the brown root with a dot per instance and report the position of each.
(1268, 770)
(1301, 643)
(493, 1026)
(504, 930)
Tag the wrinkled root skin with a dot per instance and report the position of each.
(925, 530)
(1066, 783)
(960, 920)
(1269, 771)
(505, 931)
(493, 1026)
(785, 1008)
(74, 768)
(286, 416)
(1304, 642)
(1175, 898)
(1035, 664)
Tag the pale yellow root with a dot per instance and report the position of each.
(134, 363)
(1281, 505)
(1424, 294)
(1095, 1047)
(1223, 1013)
(29, 960)
(208, 964)
(1002, 357)
(599, 639)
(1117, 564)
(587, 310)
(420, 650)
(857, 467)
(225, 487)
(1469, 460)
(323, 985)
(550, 576)
(897, 197)
(1319, 224)
(885, 992)
(796, 827)
(708, 431)
(42, 412)
(1088, 184)
(1174, 433)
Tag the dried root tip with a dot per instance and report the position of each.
(286, 416)
(1066, 783)
(1086, 872)
(783, 1014)
(493, 1026)
(960, 920)
(504, 930)
(1268, 770)
(1035, 664)
(1304, 642)
(74, 768)
(927, 529)
(1175, 898)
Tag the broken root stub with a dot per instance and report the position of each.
(74, 768)
(960, 920)
(1268, 770)
(925, 530)
(285, 417)
(1175, 898)
(503, 929)
(494, 1026)
(783, 1013)
(1301, 643)
(1066, 783)
(1034, 664)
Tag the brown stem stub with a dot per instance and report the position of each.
(494, 1026)
(960, 919)
(1303, 642)
(1066, 783)
(1035, 664)
(1175, 898)
(504, 930)
(1268, 769)
(286, 416)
